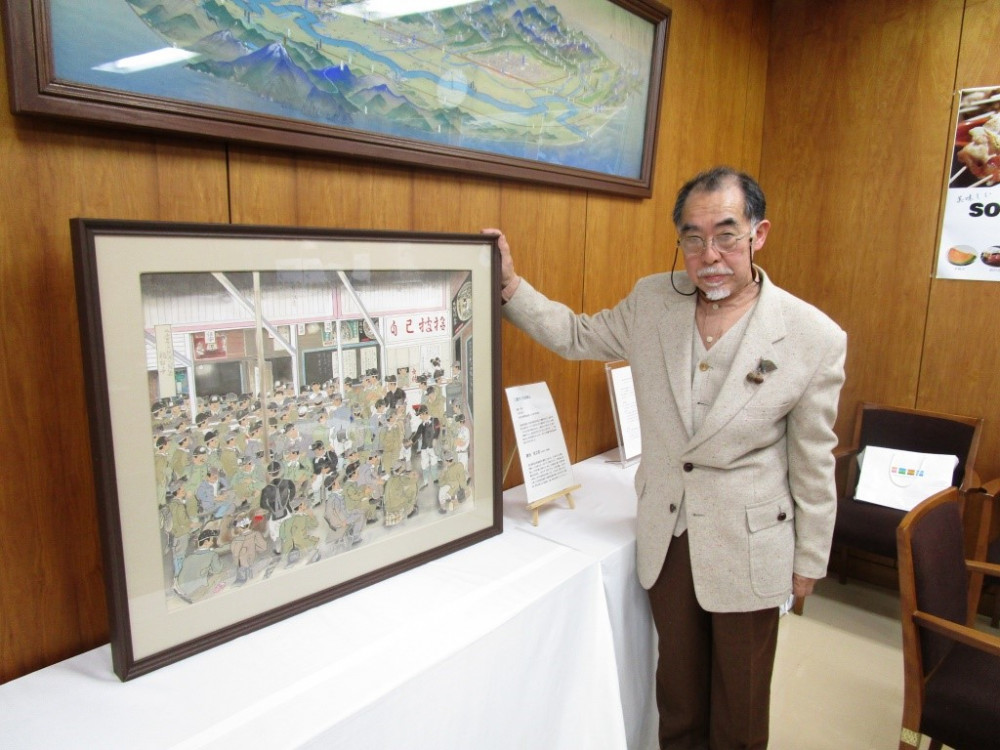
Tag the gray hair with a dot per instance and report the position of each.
(716, 179)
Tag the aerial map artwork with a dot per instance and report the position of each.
(564, 83)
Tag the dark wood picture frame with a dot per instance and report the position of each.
(584, 119)
(146, 293)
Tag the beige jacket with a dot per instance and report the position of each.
(758, 477)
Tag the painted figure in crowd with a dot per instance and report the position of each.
(423, 442)
(453, 484)
(246, 544)
(295, 536)
(247, 484)
(400, 501)
(345, 525)
(200, 570)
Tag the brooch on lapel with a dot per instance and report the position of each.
(756, 375)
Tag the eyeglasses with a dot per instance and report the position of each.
(725, 243)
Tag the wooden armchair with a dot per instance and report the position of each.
(951, 669)
(869, 527)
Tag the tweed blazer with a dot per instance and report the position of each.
(757, 478)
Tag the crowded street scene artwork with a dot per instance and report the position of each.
(287, 441)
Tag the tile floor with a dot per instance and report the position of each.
(838, 678)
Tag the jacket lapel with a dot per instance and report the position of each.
(675, 328)
(766, 326)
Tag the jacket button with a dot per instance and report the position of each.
(782, 516)
(688, 467)
(673, 508)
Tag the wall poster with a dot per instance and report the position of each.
(970, 229)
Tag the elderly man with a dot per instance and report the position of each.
(737, 384)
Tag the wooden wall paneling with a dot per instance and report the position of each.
(546, 231)
(704, 113)
(621, 248)
(444, 202)
(188, 181)
(849, 83)
(263, 187)
(977, 62)
(51, 585)
(712, 76)
(269, 187)
(960, 370)
(759, 38)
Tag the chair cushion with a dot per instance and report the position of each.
(867, 526)
(962, 700)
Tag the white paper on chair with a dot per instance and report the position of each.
(901, 479)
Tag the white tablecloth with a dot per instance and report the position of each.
(603, 527)
(538, 638)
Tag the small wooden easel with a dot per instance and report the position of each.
(539, 436)
(567, 493)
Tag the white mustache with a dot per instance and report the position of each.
(716, 270)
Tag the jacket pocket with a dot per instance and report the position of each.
(771, 528)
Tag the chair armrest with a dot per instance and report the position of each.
(842, 453)
(990, 569)
(969, 636)
(845, 470)
(992, 487)
(974, 481)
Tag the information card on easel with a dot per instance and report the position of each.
(626, 411)
(548, 474)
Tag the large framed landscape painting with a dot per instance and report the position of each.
(562, 91)
(279, 417)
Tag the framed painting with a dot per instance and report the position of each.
(563, 92)
(256, 451)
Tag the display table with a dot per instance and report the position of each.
(603, 527)
(518, 641)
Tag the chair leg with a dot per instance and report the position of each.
(798, 605)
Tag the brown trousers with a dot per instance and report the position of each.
(713, 679)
